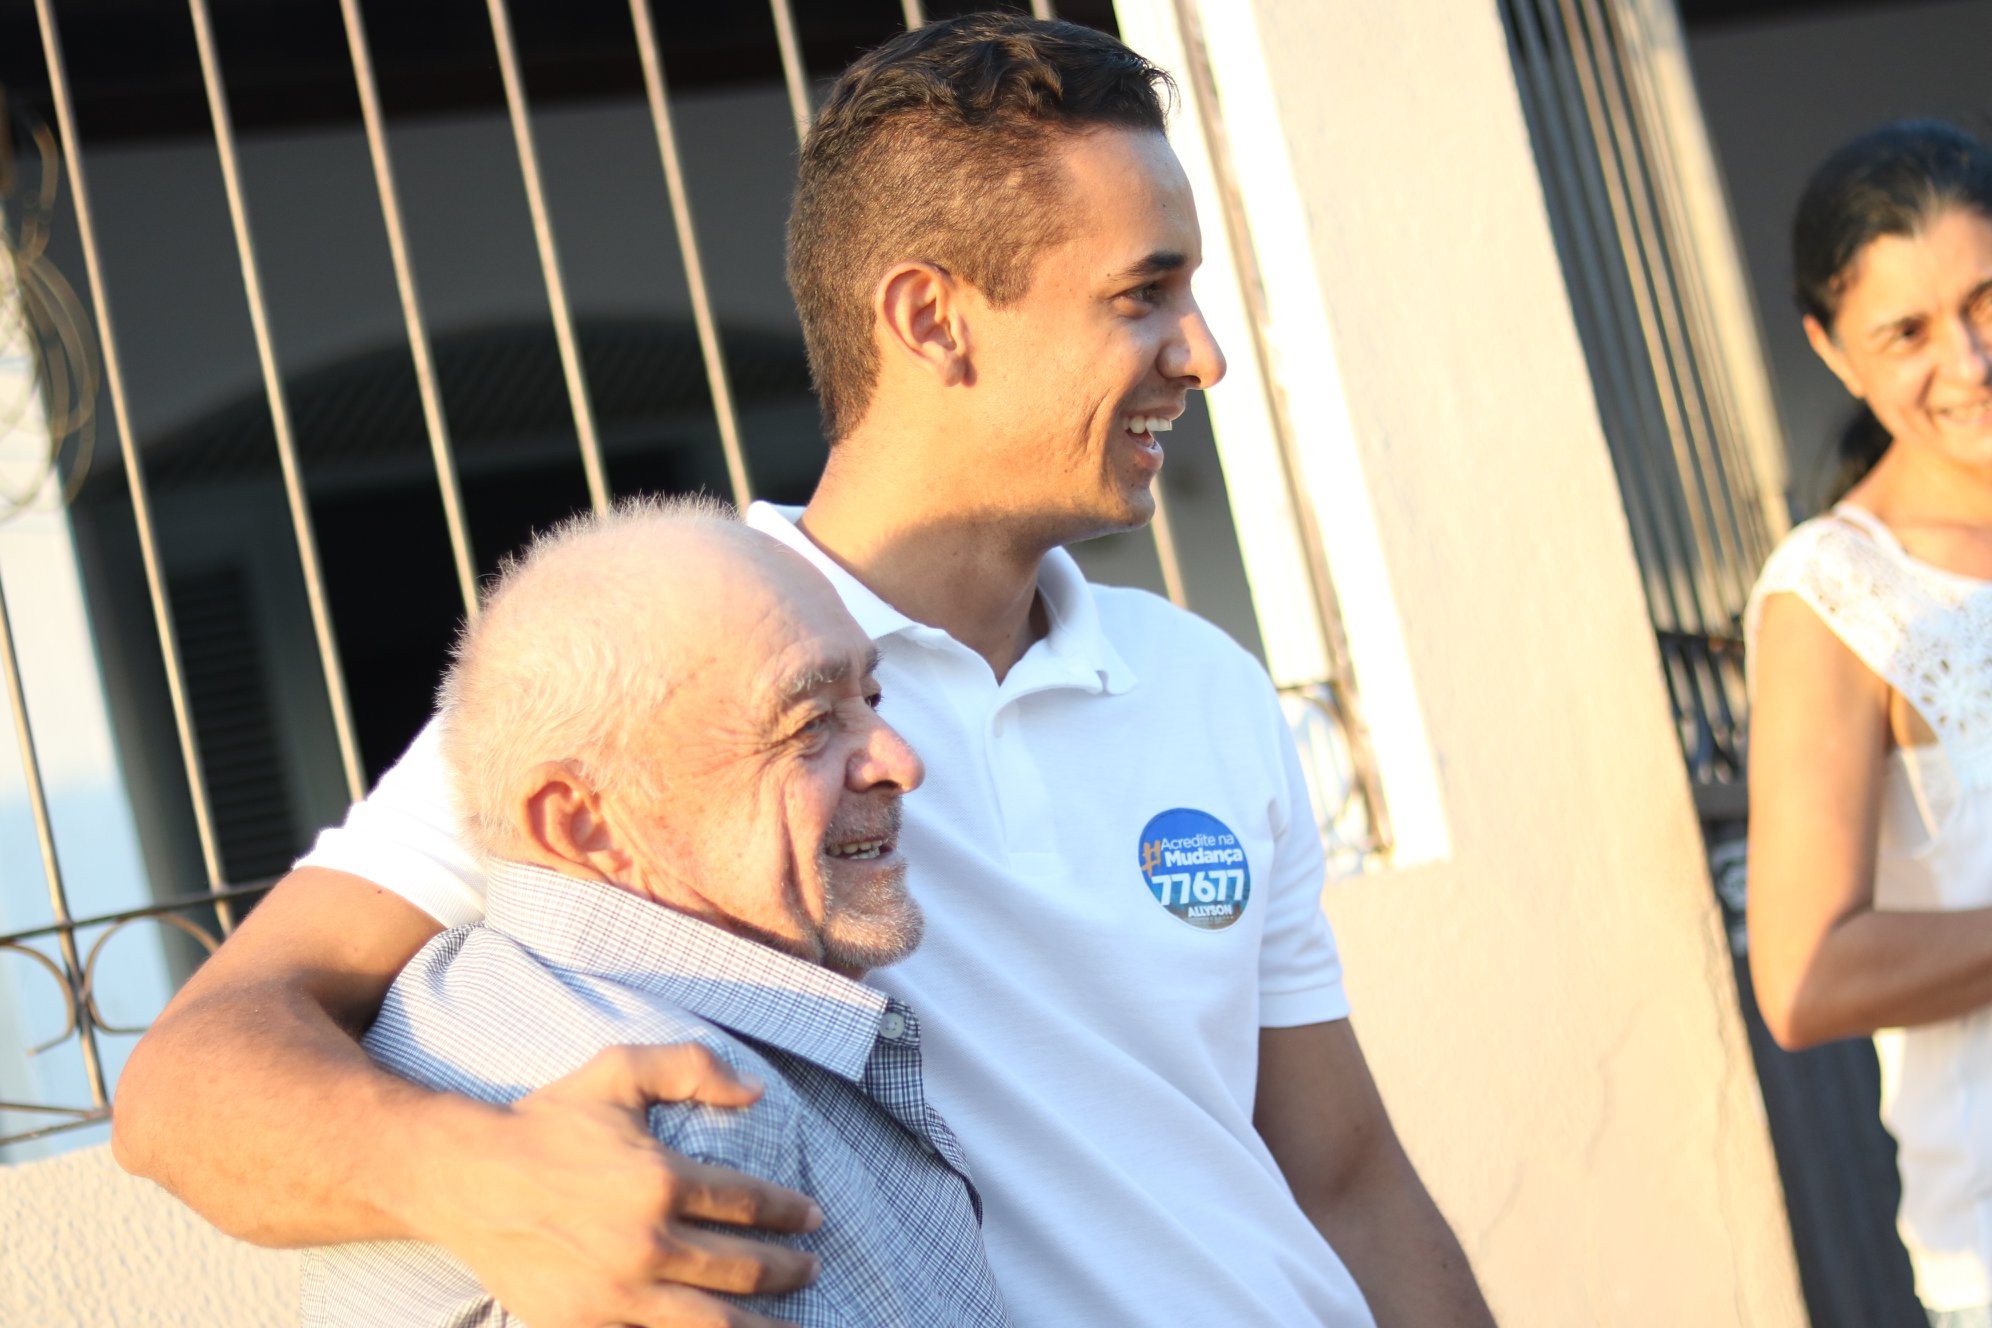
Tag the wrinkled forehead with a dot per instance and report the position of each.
(765, 626)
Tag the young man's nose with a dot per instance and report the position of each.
(885, 759)
(1195, 355)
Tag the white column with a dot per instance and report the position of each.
(1305, 365)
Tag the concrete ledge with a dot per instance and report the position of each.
(87, 1245)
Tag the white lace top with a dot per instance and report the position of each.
(1927, 633)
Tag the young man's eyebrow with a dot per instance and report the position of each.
(1159, 263)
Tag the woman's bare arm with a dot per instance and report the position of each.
(1825, 962)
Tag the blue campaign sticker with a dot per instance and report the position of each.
(1196, 868)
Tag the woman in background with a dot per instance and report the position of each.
(1870, 647)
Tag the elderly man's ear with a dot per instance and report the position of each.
(562, 823)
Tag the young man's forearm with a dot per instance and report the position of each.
(251, 1098)
(253, 1101)
(1320, 1115)
(1401, 1251)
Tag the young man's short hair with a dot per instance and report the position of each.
(938, 147)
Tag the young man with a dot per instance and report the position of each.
(619, 746)
(1133, 1003)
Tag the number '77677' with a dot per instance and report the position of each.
(1205, 887)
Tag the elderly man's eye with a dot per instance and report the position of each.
(875, 699)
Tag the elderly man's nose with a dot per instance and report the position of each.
(886, 758)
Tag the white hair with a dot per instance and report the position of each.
(563, 665)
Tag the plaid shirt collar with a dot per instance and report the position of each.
(740, 985)
(1078, 652)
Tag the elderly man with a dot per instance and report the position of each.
(688, 810)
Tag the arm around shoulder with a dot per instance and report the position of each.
(251, 1098)
(253, 1102)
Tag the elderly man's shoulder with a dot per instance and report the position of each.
(477, 1012)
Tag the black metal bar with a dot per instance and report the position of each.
(79, 1024)
(84, 1118)
(169, 905)
(134, 470)
(74, 979)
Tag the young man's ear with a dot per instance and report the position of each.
(563, 826)
(1829, 351)
(922, 320)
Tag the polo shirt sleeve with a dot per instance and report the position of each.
(1300, 968)
(404, 837)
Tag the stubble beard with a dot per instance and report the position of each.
(874, 925)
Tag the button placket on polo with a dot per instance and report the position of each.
(1021, 793)
(1024, 793)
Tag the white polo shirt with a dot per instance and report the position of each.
(1121, 876)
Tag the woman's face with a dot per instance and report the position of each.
(1913, 336)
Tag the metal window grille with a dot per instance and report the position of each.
(457, 403)
(1669, 414)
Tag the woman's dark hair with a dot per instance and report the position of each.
(1861, 442)
(1890, 181)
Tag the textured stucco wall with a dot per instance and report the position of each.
(1549, 1008)
(82, 1245)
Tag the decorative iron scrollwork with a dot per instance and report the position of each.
(88, 996)
(72, 1023)
(1334, 781)
(83, 1018)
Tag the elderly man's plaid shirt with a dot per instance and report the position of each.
(562, 968)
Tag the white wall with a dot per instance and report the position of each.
(87, 1246)
(1778, 97)
(1548, 1004)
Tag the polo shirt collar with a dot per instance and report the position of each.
(1077, 641)
(878, 619)
(748, 988)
